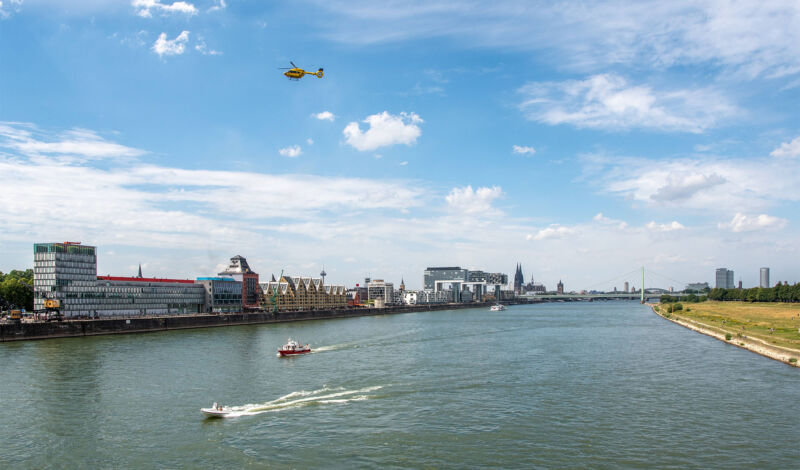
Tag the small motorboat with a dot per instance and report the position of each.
(497, 308)
(216, 411)
(293, 348)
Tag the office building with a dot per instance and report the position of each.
(627, 286)
(764, 278)
(434, 277)
(68, 272)
(697, 286)
(223, 294)
(240, 271)
(380, 290)
(724, 278)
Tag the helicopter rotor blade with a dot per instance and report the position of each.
(292, 64)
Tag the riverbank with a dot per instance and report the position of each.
(94, 327)
(729, 326)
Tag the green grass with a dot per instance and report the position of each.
(776, 323)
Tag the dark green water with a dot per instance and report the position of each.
(601, 385)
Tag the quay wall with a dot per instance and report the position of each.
(93, 327)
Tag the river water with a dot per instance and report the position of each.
(601, 385)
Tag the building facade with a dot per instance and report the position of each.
(560, 287)
(301, 294)
(223, 294)
(68, 272)
(519, 279)
(697, 286)
(382, 291)
(443, 274)
(724, 278)
(239, 270)
(764, 278)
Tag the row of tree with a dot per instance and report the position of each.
(16, 290)
(780, 293)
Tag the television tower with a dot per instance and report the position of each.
(323, 274)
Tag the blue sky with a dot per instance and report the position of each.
(582, 139)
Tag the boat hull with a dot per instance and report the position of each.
(213, 413)
(289, 352)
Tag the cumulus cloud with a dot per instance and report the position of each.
(384, 129)
(523, 150)
(310, 141)
(202, 48)
(788, 149)
(9, 6)
(670, 227)
(553, 231)
(291, 151)
(467, 200)
(608, 101)
(177, 46)
(324, 116)
(145, 8)
(746, 223)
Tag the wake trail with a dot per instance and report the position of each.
(323, 396)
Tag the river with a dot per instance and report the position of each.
(601, 385)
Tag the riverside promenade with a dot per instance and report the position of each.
(108, 326)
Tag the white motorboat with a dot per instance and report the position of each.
(216, 411)
(497, 308)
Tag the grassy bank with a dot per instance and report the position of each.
(773, 323)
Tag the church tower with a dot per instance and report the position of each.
(519, 280)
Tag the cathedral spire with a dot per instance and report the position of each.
(140, 271)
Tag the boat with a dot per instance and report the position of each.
(293, 348)
(216, 411)
(497, 308)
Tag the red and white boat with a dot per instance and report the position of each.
(292, 348)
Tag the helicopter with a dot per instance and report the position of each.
(296, 73)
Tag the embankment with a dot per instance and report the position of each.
(755, 345)
(94, 327)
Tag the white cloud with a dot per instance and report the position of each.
(523, 150)
(553, 231)
(607, 101)
(708, 185)
(310, 141)
(403, 163)
(202, 48)
(73, 145)
(788, 149)
(324, 116)
(744, 38)
(291, 151)
(177, 46)
(670, 227)
(384, 129)
(601, 218)
(219, 5)
(467, 200)
(146, 7)
(745, 223)
(8, 7)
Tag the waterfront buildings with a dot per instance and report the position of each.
(434, 276)
(724, 278)
(764, 278)
(223, 294)
(301, 293)
(239, 270)
(454, 278)
(68, 272)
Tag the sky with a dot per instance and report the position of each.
(582, 139)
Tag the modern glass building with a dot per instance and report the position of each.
(764, 278)
(445, 274)
(223, 294)
(724, 278)
(240, 271)
(68, 272)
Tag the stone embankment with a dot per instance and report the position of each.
(755, 345)
(93, 327)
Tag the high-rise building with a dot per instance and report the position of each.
(443, 274)
(240, 271)
(764, 278)
(627, 287)
(724, 278)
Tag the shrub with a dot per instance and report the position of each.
(688, 310)
(792, 360)
(677, 306)
(728, 336)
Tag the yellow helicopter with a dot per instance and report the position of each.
(296, 73)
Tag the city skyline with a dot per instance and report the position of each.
(163, 133)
